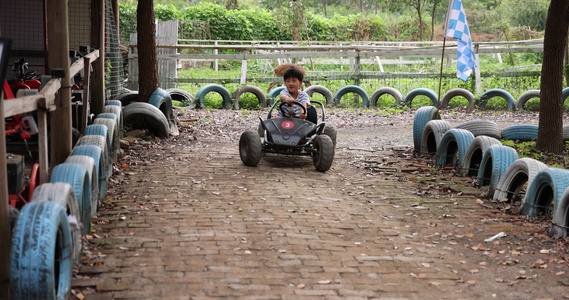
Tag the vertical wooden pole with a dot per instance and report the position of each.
(215, 61)
(98, 42)
(86, 93)
(58, 57)
(5, 233)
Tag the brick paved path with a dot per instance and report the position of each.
(198, 224)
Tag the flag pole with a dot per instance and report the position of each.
(447, 17)
(441, 73)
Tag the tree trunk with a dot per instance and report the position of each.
(147, 61)
(550, 133)
(324, 5)
(433, 21)
(418, 7)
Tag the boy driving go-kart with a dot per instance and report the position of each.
(295, 132)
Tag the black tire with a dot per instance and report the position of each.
(566, 132)
(40, 258)
(155, 119)
(322, 90)
(182, 96)
(496, 160)
(200, 96)
(421, 92)
(13, 214)
(331, 132)
(396, 94)
(481, 127)
(519, 173)
(249, 89)
(76, 175)
(162, 100)
(89, 163)
(445, 100)
(352, 89)
(96, 153)
(114, 135)
(546, 188)
(520, 133)
(560, 222)
(250, 148)
(75, 136)
(422, 117)
(117, 110)
(62, 193)
(474, 153)
(128, 98)
(324, 153)
(432, 135)
(99, 140)
(511, 103)
(453, 147)
(525, 97)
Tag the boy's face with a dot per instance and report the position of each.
(293, 84)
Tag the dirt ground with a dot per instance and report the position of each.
(415, 231)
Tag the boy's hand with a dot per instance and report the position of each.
(302, 116)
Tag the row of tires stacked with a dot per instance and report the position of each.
(474, 148)
(47, 233)
(331, 99)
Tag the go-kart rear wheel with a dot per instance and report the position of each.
(324, 155)
(250, 148)
(331, 132)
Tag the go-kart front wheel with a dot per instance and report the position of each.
(324, 155)
(250, 148)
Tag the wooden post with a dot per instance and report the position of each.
(243, 69)
(5, 233)
(58, 57)
(98, 41)
(215, 61)
(357, 67)
(42, 143)
(477, 70)
(86, 94)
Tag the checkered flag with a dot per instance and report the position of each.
(457, 27)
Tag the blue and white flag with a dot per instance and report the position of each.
(457, 27)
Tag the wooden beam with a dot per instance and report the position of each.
(58, 57)
(85, 97)
(5, 233)
(98, 41)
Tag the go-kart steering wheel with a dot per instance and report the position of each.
(285, 112)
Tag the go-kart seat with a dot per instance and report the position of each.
(312, 115)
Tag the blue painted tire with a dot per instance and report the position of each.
(519, 173)
(396, 94)
(496, 93)
(474, 153)
(273, 94)
(62, 193)
(525, 97)
(114, 102)
(96, 153)
(40, 258)
(546, 188)
(560, 222)
(76, 175)
(352, 89)
(101, 130)
(565, 94)
(113, 133)
(250, 89)
(155, 119)
(322, 90)
(432, 135)
(116, 110)
(421, 92)
(481, 127)
(162, 100)
(106, 162)
(422, 117)
(453, 147)
(496, 160)
(200, 96)
(520, 133)
(445, 100)
(89, 163)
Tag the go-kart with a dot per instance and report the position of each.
(289, 135)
